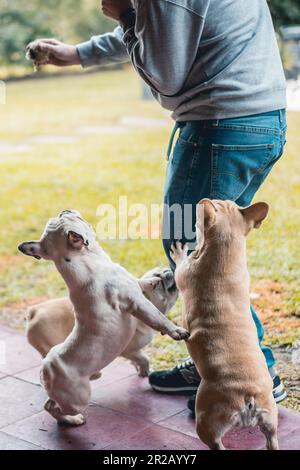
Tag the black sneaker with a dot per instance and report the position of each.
(183, 378)
(279, 392)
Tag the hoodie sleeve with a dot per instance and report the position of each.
(162, 39)
(105, 49)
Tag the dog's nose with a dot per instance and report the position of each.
(28, 249)
(21, 247)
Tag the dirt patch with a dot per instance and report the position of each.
(290, 374)
(270, 300)
(8, 260)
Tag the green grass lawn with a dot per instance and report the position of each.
(99, 168)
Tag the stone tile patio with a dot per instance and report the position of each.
(124, 413)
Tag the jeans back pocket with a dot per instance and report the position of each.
(234, 166)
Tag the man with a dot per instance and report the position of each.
(215, 64)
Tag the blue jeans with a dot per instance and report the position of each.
(221, 159)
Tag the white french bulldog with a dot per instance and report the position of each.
(49, 323)
(108, 303)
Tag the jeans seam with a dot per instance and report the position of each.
(213, 178)
(249, 129)
(189, 179)
(189, 142)
(243, 147)
(266, 163)
(259, 170)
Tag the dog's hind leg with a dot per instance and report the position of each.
(272, 440)
(208, 430)
(68, 397)
(134, 352)
(211, 424)
(140, 362)
(64, 420)
(218, 446)
(268, 423)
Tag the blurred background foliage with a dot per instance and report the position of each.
(285, 12)
(22, 21)
(74, 21)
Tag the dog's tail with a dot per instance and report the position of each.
(31, 313)
(249, 414)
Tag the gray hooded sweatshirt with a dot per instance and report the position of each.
(203, 59)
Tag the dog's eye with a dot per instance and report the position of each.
(67, 260)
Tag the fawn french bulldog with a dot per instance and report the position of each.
(235, 387)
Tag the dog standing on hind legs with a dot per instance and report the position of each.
(50, 323)
(214, 283)
(108, 304)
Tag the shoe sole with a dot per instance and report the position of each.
(279, 393)
(174, 390)
(279, 399)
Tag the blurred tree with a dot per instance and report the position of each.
(69, 20)
(285, 12)
(17, 28)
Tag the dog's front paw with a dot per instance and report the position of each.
(180, 334)
(69, 421)
(143, 371)
(63, 420)
(178, 251)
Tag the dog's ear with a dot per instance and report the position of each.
(206, 213)
(77, 240)
(31, 249)
(255, 214)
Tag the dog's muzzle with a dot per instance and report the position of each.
(23, 249)
(168, 279)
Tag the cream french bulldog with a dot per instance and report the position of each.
(108, 304)
(235, 387)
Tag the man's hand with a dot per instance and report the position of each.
(60, 54)
(116, 8)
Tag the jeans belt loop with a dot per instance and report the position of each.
(170, 146)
